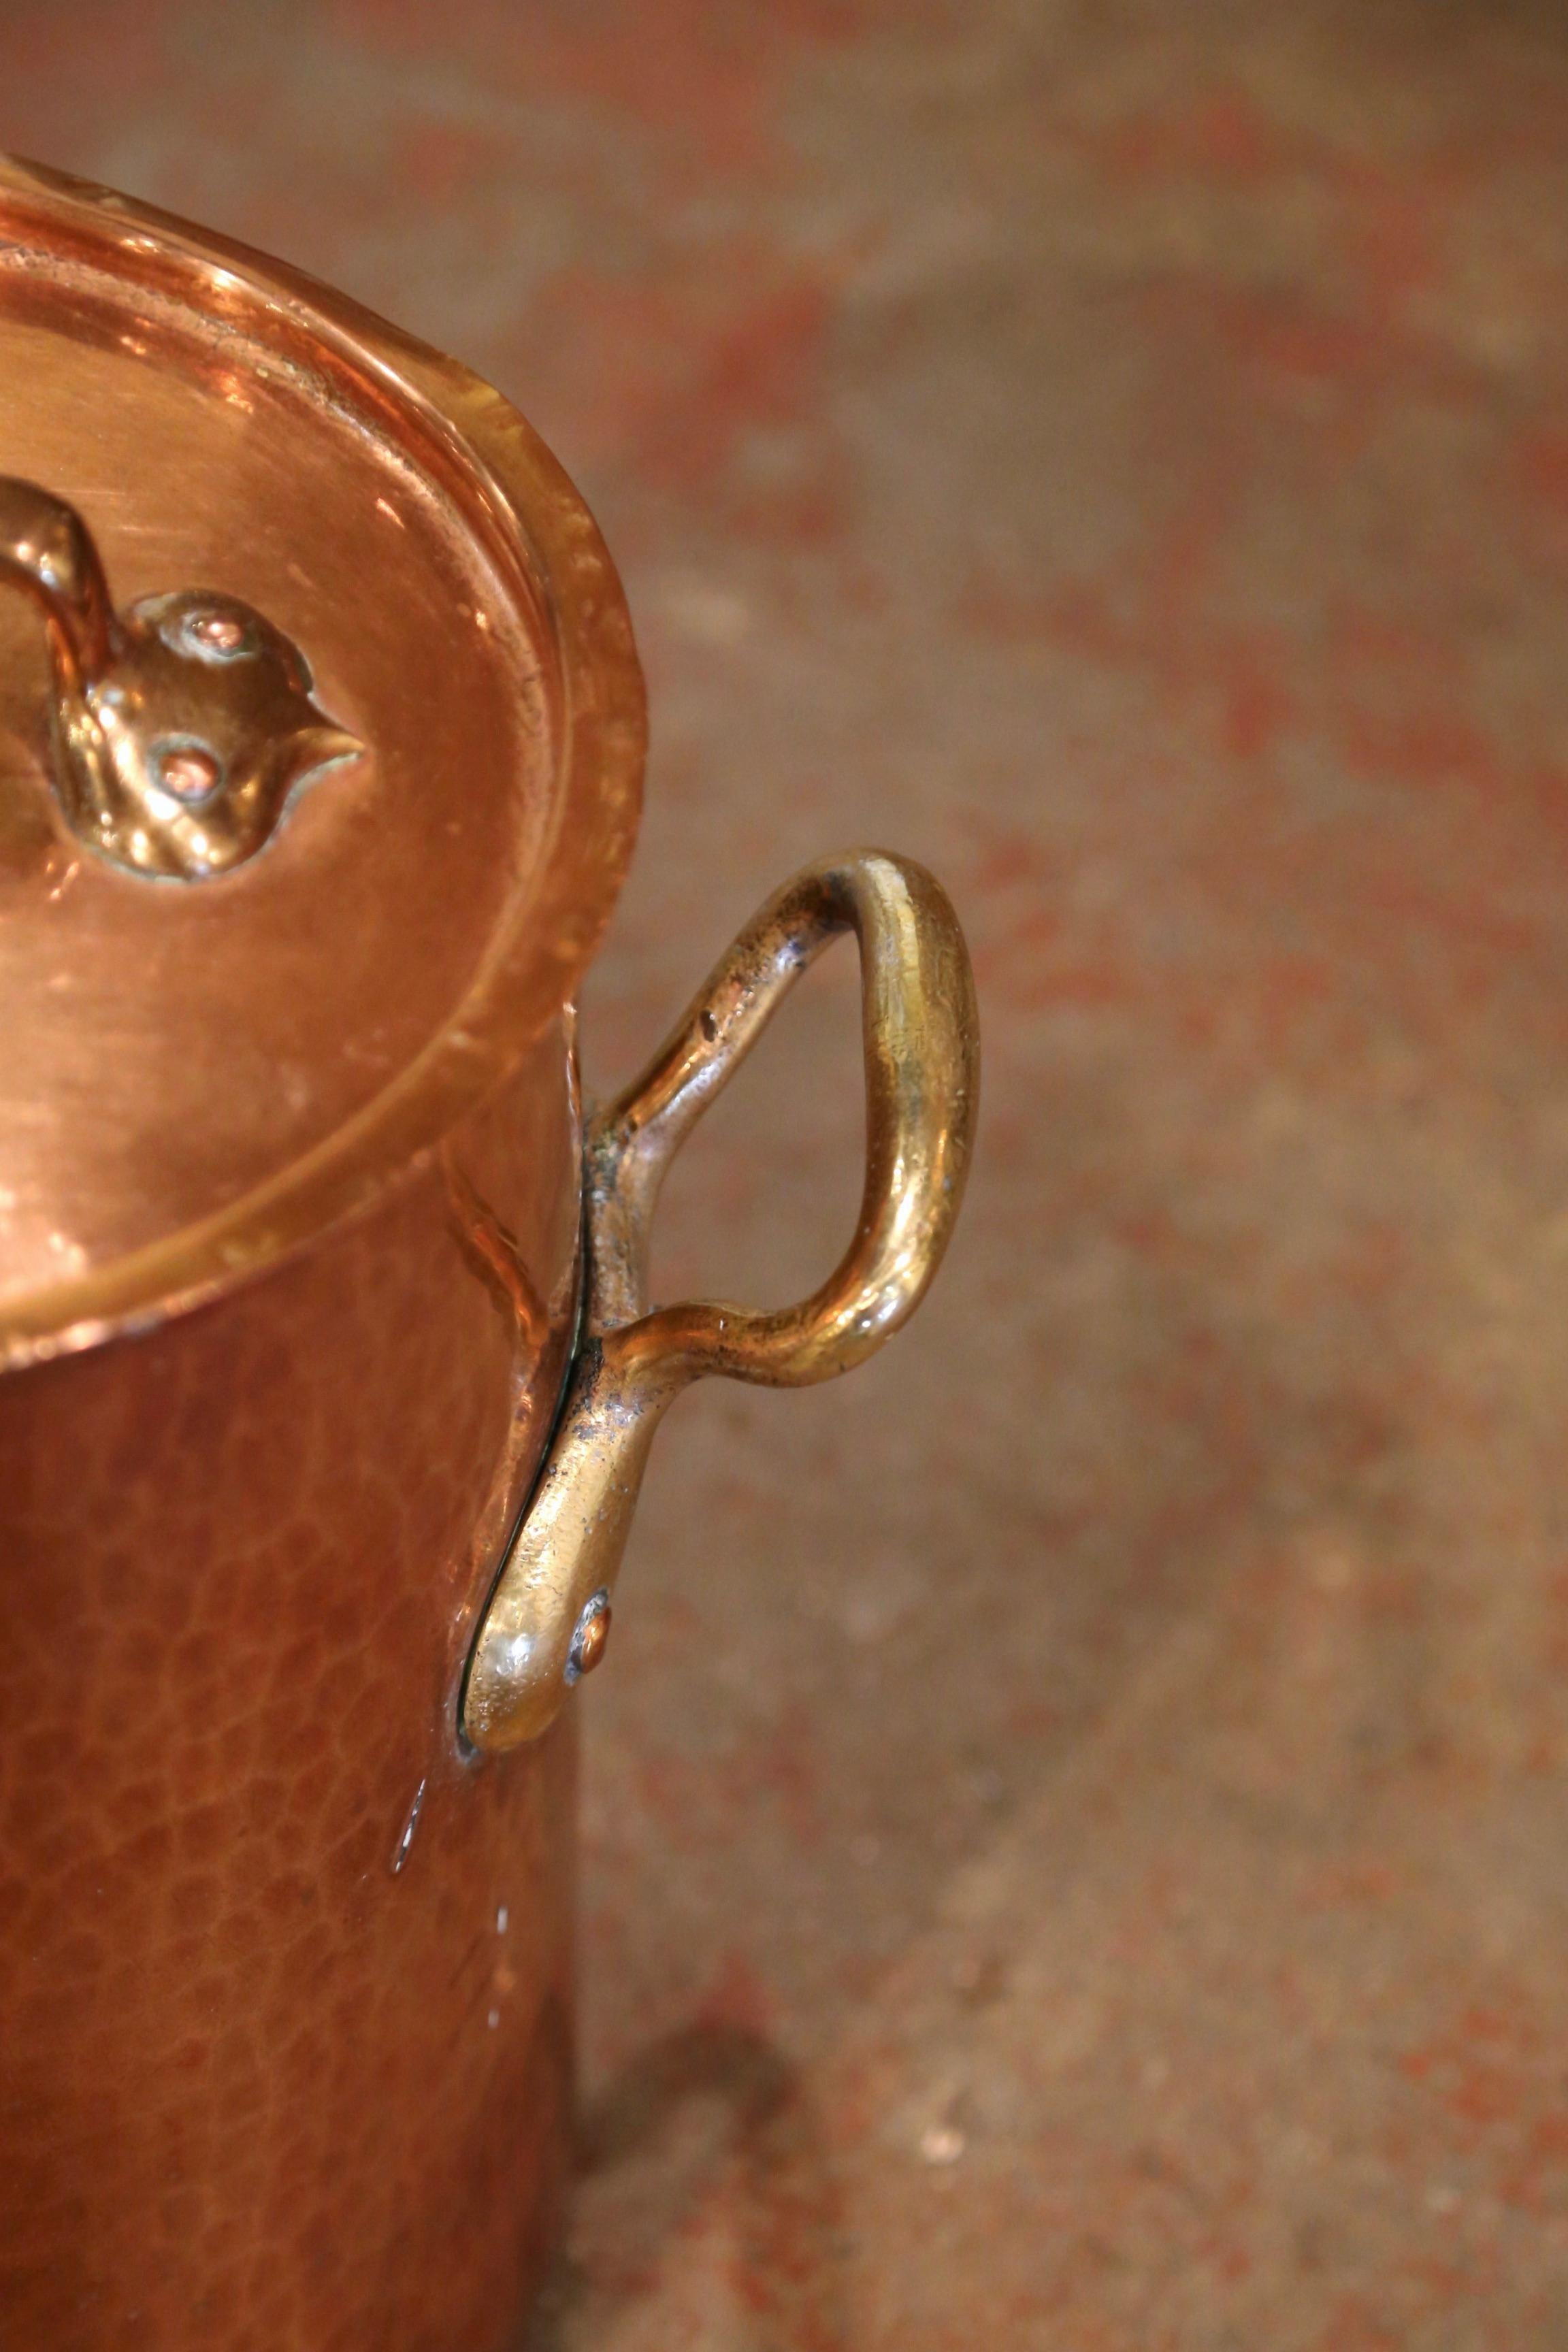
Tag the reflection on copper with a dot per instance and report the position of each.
(233, 388)
(495, 1255)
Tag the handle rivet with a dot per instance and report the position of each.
(588, 1641)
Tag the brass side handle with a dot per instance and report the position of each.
(548, 1614)
(181, 726)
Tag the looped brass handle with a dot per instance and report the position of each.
(548, 1614)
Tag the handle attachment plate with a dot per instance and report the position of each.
(551, 1603)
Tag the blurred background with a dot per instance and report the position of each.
(1075, 1824)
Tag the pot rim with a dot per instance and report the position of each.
(553, 924)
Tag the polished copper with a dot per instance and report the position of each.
(921, 1047)
(196, 1081)
(293, 1206)
(181, 728)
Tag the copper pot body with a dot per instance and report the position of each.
(290, 1218)
(328, 1370)
(285, 1978)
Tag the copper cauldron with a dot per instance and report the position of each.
(327, 1373)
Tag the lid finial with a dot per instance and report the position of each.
(181, 726)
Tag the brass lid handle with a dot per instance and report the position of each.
(181, 726)
(548, 1614)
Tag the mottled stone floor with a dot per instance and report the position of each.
(1077, 1821)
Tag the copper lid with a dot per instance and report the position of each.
(242, 987)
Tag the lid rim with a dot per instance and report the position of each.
(552, 926)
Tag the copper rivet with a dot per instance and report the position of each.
(220, 630)
(593, 1632)
(189, 773)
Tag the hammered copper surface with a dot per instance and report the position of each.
(285, 1979)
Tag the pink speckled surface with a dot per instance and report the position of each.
(1076, 1840)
